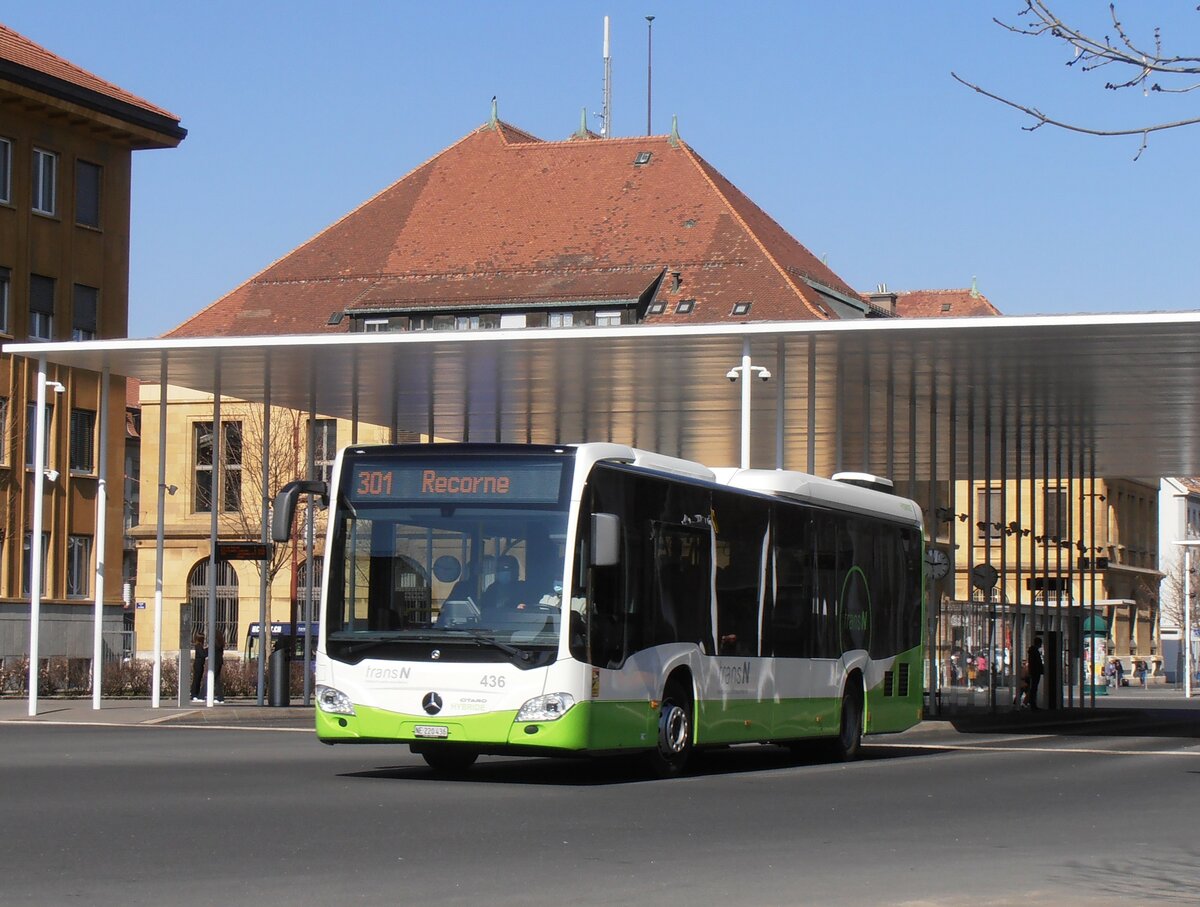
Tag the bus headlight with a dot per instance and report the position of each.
(550, 707)
(333, 701)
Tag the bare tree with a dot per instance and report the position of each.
(1138, 67)
(287, 461)
(1172, 603)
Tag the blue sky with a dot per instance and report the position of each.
(840, 119)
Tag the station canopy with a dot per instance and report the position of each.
(906, 397)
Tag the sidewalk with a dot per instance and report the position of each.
(132, 712)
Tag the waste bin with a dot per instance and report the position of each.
(279, 676)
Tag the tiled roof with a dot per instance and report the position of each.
(943, 304)
(501, 215)
(45, 70)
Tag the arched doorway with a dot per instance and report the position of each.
(227, 600)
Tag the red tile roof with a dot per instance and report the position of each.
(24, 61)
(501, 215)
(943, 304)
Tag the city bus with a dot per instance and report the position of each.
(597, 599)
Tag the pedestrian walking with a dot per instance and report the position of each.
(1036, 669)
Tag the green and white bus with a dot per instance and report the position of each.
(595, 598)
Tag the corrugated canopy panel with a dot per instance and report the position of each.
(1121, 387)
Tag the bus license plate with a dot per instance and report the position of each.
(431, 730)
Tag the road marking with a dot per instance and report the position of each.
(988, 748)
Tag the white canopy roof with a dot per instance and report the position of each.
(1119, 387)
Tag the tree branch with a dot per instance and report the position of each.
(1044, 120)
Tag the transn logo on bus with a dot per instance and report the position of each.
(388, 673)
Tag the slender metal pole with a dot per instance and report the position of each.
(309, 528)
(1188, 663)
(649, 67)
(746, 403)
(101, 524)
(780, 404)
(264, 621)
(155, 695)
(811, 417)
(218, 479)
(1187, 627)
(36, 566)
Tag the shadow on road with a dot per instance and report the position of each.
(633, 770)
(1108, 722)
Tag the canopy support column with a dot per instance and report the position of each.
(99, 542)
(36, 566)
(155, 693)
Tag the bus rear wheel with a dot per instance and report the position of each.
(848, 743)
(450, 761)
(673, 748)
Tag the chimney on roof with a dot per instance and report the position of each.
(884, 298)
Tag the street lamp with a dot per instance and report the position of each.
(745, 372)
(1187, 545)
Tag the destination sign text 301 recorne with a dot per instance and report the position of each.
(457, 482)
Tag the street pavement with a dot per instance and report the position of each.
(238, 804)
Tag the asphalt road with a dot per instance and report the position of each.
(171, 815)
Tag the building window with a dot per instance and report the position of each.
(324, 448)
(466, 322)
(561, 319)
(5, 285)
(6, 171)
(512, 321)
(741, 308)
(41, 307)
(79, 565)
(3, 431)
(608, 319)
(30, 440)
(87, 194)
(1054, 519)
(83, 318)
(83, 440)
(685, 306)
(375, 325)
(45, 181)
(27, 562)
(656, 308)
(989, 517)
(231, 487)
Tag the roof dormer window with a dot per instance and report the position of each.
(741, 308)
(642, 159)
(685, 307)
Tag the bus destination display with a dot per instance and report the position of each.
(457, 482)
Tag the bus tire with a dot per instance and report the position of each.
(848, 743)
(449, 760)
(673, 742)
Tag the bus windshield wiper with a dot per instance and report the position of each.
(366, 645)
(482, 640)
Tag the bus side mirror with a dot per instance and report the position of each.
(284, 510)
(606, 539)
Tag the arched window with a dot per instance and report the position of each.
(227, 600)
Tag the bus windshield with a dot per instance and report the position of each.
(465, 549)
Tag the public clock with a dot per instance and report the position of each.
(936, 562)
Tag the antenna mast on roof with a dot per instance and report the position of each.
(606, 116)
(649, 65)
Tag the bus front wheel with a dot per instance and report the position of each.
(674, 741)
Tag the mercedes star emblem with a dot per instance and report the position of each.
(432, 703)
(435, 654)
